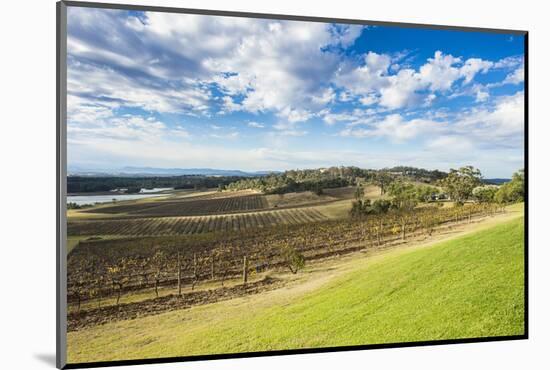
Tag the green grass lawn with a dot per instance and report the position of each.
(471, 286)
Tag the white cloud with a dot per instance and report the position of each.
(405, 87)
(232, 84)
(355, 117)
(395, 128)
(288, 128)
(327, 96)
(509, 62)
(229, 105)
(481, 96)
(473, 66)
(402, 89)
(479, 91)
(347, 34)
(295, 115)
(450, 144)
(275, 65)
(96, 85)
(295, 71)
(292, 132)
(255, 124)
(499, 124)
(502, 123)
(368, 100)
(124, 128)
(365, 79)
(440, 72)
(280, 67)
(332, 118)
(345, 96)
(226, 136)
(515, 77)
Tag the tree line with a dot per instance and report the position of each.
(333, 177)
(88, 184)
(459, 185)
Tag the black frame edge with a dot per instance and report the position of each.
(227, 13)
(526, 184)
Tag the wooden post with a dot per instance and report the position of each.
(245, 270)
(378, 231)
(195, 273)
(212, 266)
(381, 232)
(403, 225)
(179, 274)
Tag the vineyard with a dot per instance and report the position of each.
(99, 268)
(159, 226)
(208, 205)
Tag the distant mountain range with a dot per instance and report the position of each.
(153, 171)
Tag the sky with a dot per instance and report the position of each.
(152, 89)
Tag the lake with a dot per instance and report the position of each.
(108, 198)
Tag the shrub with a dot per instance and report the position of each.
(381, 206)
(485, 194)
(513, 191)
(294, 260)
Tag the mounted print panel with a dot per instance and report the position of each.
(237, 184)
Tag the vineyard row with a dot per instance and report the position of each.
(95, 276)
(158, 226)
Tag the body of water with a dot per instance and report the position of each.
(154, 190)
(108, 198)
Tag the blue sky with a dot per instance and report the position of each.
(177, 90)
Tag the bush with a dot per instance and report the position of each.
(381, 206)
(361, 208)
(513, 191)
(485, 194)
(294, 259)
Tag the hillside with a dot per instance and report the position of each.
(471, 286)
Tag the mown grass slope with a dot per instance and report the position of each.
(471, 286)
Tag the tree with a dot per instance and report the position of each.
(513, 191)
(381, 206)
(294, 260)
(360, 208)
(424, 193)
(359, 192)
(382, 179)
(404, 195)
(460, 183)
(318, 189)
(485, 194)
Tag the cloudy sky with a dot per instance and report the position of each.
(176, 90)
